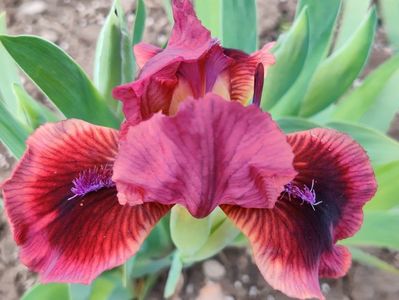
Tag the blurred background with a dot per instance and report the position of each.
(74, 26)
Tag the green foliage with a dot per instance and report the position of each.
(139, 23)
(372, 260)
(173, 275)
(322, 20)
(182, 227)
(114, 63)
(12, 133)
(60, 78)
(379, 230)
(239, 29)
(8, 76)
(48, 291)
(390, 16)
(290, 54)
(209, 12)
(337, 73)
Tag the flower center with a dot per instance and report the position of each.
(304, 193)
(92, 180)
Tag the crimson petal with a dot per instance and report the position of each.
(294, 243)
(211, 152)
(67, 236)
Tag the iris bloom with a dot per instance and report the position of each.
(83, 197)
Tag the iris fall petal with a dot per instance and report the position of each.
(67, 236)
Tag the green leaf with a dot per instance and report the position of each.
(36, 113)
(8, 76)
(381, 114)
(322, 20)
(380, 229)
(390, 15)
(220, 237)
(60, 78)
(380, 148)
(387, 193)
(239, 29)
(139, 22)
(12, 133)
(173, 276)
(114, 57)
(210, 12)
(353, 12)
(48, 291)
(293, 124)
(363, 99)
(80, 291)
(182, 226)
(372, 260)
(290, 55)
(337, 73)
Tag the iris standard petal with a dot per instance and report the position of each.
(211, 152)
(62, 204)
(294, 243)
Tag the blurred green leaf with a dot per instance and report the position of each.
(239, 27)
(390, 15)
(380, 229)
(210, 12)
(372, 260)
(139, 22)
(12, 133)
(108, 286)
(322, 20)
(48, 291)
(8, 76)
(168, 9)
(290, 57)
(60, 78)
(387, 196)
(337, 73)
(114, 63)
(364, 98)
(353, 12)
(220, 237)
(173, 275)
(36, 113)
(148, 266)
(80, 291)
(380, 148)
(383, 111)
(293, 124)
(182, 226)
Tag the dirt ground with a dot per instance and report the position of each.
(74, 26)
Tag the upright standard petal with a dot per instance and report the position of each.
(294, 243)
(62, 204)
(243, 69)
(211, 152)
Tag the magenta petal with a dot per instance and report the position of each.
(212, 152)
(72, 235)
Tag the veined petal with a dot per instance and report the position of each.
(63, 208)
(243, 69)
(211, 152)
(294, 243)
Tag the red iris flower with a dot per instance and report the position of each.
(192, 64)
(294, 198)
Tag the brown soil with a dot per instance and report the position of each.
(74, 25)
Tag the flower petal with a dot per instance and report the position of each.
(243, 70)
(153, 90)
(294, 242)
(65, 237)
(143, 52)
(211, 152)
